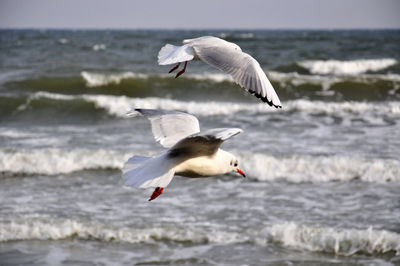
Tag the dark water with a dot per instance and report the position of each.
(323, 172)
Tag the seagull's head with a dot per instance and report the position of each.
(234, 165)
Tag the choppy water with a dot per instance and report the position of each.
(323, 172)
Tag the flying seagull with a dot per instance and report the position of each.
(227, 57)
(190, 153)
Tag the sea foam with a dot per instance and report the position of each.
(120, 105)
(352, 67)
(99, 79)
(304, 237)
(62, 229)
(304, 168)
(52, 161)
(99, 47)
(93, 79)
(335, 240)
(296, 168)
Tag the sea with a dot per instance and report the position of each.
(323, 172)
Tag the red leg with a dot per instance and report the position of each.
(174, 68)
(157, 192)
(182, 71)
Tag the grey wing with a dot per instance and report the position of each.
(243, 68)
(169, 127)
(204, 143)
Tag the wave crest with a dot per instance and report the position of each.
(305, 168)
(57, 161)
(320, 78)
(62, 229)
(297, 169)
(98, 79)
(120, 105)
(325, 239)
(352, 67)
(337, 241)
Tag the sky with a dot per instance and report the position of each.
(200, 14)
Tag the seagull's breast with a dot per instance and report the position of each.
(200, 166)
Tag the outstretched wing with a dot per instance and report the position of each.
(202, 144)
(243, 68)
(169, 127)
(171, 54)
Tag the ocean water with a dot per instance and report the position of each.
(323, 172)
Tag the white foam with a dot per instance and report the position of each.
(120, 105)
(215, 77)
(262, 167)
(62, 41)
(352, 67)
(99, 79)
(296, 79)
(305, 168)
(14, 133)
(99, 47)
(93, 79)
(52, 161)
(62, 229)
(248, 35)
(325, 239)
(333, 240)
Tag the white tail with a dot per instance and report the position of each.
(145, 172)
(134, 162)
(171, 54)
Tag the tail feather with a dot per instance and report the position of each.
(145, 172)
(171, 54)
(134, 162)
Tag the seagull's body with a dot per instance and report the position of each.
(227, 57)
(190, 153)
(203, 166)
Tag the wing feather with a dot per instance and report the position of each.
(204, 143)
(243, 68)
(169, 127)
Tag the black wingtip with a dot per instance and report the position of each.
(264, 99)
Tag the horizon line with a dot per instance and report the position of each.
(199, 29)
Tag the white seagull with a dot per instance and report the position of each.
(190, 153)
(227, 57)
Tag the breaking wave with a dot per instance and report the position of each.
(99, 47)
(325, 239)
(284, 79)
(120, 105)
(352, 67)
(304, 168)
(55, 230)
(93, 79)
(326, 82)
(333, 240)
(53, 161)
(98, 79)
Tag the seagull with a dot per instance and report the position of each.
(227, 57)
(190, 153)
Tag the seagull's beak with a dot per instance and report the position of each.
(240, 172)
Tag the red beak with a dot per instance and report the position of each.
(240, 172)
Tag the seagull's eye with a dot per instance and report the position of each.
(231, 162)
(236, 164)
